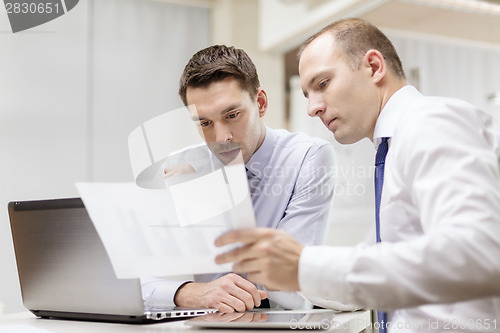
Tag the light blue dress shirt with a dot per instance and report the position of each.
(291, 180)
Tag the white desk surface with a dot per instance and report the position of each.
(26, 322)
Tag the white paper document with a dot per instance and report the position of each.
(169, 229)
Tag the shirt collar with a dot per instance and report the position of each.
(392, 113)
(260, 159)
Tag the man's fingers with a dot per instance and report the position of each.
(224, 308)
(252, 291)
(238, 254)
(245, 236)
(176, 170)
(255, 270)
(242, 290)
(233, 302)
(251, 265)
(246, 299)
(249, 252)
(270, 257)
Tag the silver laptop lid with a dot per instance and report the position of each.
(62, 263)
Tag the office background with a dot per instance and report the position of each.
(73, 89)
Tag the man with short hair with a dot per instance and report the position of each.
(290, 186)
(435, 265)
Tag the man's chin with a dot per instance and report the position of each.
(344, 140)
(231, 156)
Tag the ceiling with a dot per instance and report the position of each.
(477, 20)
(447, 18)
(450, 18)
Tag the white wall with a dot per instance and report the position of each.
(451, 67)
(43, 122)
(71, 92)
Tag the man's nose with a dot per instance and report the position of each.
(315, 106)
(223, 134)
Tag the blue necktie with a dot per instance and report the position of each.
(379, 183)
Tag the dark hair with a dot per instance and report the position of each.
(356, 36)
(216, 63)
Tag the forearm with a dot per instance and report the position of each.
(410, 273)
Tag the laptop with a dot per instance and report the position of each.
(65, 272)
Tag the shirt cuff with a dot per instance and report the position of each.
(323, 272)
(160, 292)
(287, 300)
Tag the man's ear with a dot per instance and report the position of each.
(262, 101)
(375, 63)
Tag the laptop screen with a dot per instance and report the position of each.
(62, 263)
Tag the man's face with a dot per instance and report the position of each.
(347, 101)
(229, 118)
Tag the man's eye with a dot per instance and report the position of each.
(233, 115)
(323, 84)
(204, 123)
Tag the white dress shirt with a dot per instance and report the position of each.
(291, 179)
(439, 222)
